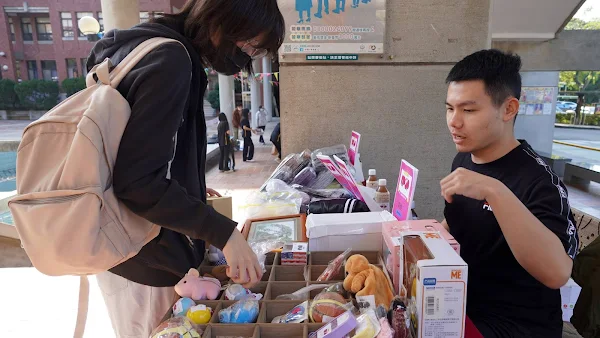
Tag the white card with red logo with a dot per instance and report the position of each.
(354, 144)
(407, 181)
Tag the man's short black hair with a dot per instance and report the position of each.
(498, 70)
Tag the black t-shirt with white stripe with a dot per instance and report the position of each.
(503, 299)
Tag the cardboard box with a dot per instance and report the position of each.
(435, 278)
(569, 295)
(391, 232)
(337, 232)
(295, 254)
(223, 205)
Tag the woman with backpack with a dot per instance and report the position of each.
(160, 166)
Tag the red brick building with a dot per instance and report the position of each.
(40, 39)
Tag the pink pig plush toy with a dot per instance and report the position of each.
(198, 288)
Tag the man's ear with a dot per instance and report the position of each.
(511, 110)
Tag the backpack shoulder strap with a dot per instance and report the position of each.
(119, 72)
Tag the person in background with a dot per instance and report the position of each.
(261, 121)
(504, 205)
(276, 139)
(159, 172)
(236, 120)
(224, 142)
(248, 153)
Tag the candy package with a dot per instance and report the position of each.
(177, 327)
(296, 315)
(334, 267)
(243, 311)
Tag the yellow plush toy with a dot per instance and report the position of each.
(366, 279)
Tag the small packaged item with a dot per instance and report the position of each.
(305, 177)
(238, 292)
(368, 325)
(199, 314)
(295, 254)
(328, 305)
(399, 319)
(302, 293)
(334, 267)
(386, 329)
(181, 307)
(244, 311)
(177, 327)
(296, 315)
(339, 327)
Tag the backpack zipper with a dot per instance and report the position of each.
(49, 200)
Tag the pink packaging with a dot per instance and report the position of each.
(392, 232)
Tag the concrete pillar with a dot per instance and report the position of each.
(254, 92)
(396, 100)
(267, 88)
(121, 14)
(538, 130)
(227, 96)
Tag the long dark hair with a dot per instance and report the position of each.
(245, 113)
(222, 117)
(229, 21)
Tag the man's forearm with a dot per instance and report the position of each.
(536, 248)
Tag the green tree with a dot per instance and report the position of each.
(37, 94)
(72, 86)
(8, 96)
(578, 24)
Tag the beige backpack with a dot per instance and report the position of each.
(68, 218)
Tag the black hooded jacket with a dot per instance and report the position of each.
(165, 91)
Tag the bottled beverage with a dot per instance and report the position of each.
(382, 196)
(372, 182)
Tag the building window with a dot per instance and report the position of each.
(144, 17)
(12, 29)
(49, 72)
(66, 21)
(72, 70)
(101, 21)
(27, 29)
(44, 29)
(18, 70)
(32, 70)
(81, 15)
(84, 66)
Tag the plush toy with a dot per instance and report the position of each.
(365, 279)
(198, 288)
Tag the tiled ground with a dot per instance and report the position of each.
(585, 198)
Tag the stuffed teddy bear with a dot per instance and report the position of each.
(198, 288)
(365, 279)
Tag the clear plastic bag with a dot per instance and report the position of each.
(339, 150)
(290, 167)
(328, 305)
(368, 325)
(177, 327)
(306, 176)
(277, 186)
(302, 293)
(263, 247)
(323, 193)
(265, 205)
(334, 267)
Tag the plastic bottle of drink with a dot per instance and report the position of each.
(382, 196)
(372, 182)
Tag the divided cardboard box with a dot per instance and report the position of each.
(278, 280)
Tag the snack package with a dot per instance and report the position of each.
(334, 267)
(398, 316)
(368, 325)
(245, 311)
(177, 327)
(328, 305)
(296, 315)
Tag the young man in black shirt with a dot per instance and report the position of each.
(504, 205)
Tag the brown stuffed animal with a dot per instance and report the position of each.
(365, 279)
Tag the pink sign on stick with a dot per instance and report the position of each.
(405, 192)
(353, 150)
(339, 176)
